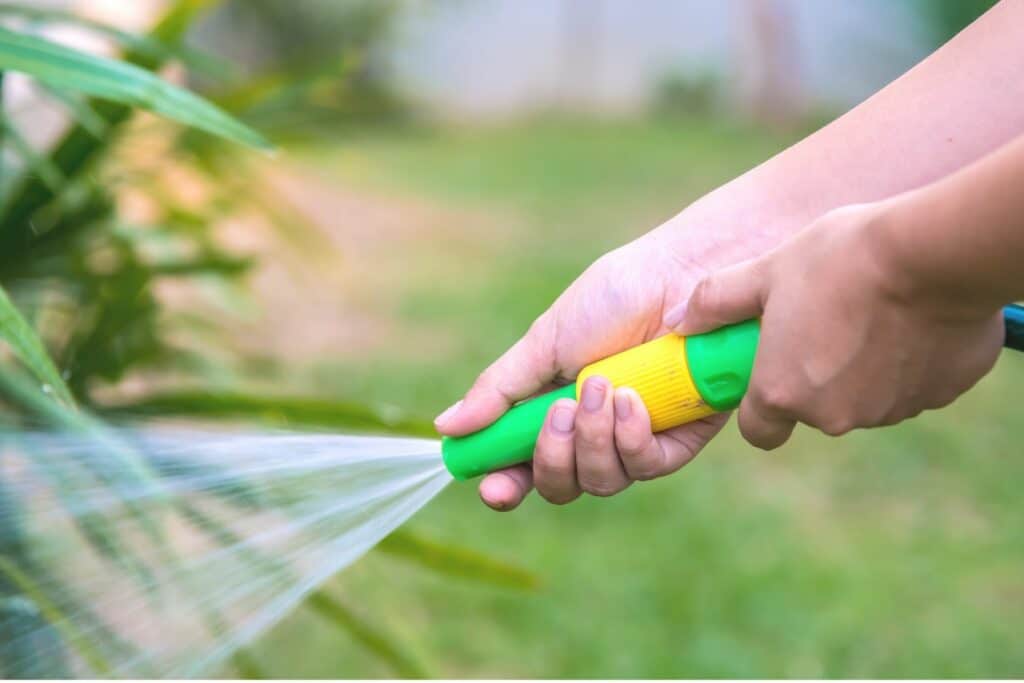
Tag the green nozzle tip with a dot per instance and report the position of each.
(509, 441)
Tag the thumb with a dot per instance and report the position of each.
(729, 295)
(527, 367)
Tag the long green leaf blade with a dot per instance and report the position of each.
(376, 642)
(29, 349)
(52, 613)
(200, 61)
(64, 67)
(456, 561)
(314, 412)
(78, 149)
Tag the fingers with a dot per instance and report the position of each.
(729, 295)
(599, 446)
(605, 443)
(505, 489)
(554, 457)
(762, 426)
(519, 373)
(682, 444)
(598, 468)
(641, 454)
(580, 447)
(732, 295)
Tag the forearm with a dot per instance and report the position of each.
(960, 240)
(957, 105)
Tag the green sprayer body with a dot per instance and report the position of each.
(679, 379)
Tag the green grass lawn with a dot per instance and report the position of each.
(890, 553)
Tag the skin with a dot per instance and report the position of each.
(958, 105)
(895, 306)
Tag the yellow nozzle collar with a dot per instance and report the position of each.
(659, 373)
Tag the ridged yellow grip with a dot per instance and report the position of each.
(658, 372)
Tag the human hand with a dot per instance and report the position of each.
(848, 338)
(605, 443)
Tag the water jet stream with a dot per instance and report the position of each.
(167, 568)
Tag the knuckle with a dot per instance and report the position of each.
(778, 397)
(763, 268)
(881, 418)
(539, 340)
(912, 413)
(705, 295)
(591, 437)
(486, 378)
(630, 447)
(642, 465)
(837, 425)
(895, 416)
(539, 327)
(645, 472)
(545, 467)
(557, 497)
(601, 489)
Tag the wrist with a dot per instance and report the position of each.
(738, 221)
(898, 238)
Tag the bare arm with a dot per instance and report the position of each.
(894, 306)
(962, 238)
(962, 102)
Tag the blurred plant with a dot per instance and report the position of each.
(87, 279)
(307, 64)
(943, 19)
(688, 93)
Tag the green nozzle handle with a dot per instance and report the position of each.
(679, 380)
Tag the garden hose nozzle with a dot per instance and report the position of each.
(679, 379)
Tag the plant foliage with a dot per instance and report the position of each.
(64, 68)
(79, 308)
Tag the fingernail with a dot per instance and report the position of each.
(593, 394)
(447, 414)
(675, 315)
(623, 405)
(562, 419)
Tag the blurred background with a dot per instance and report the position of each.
(444, 170)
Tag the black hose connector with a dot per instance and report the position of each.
(1014, 317)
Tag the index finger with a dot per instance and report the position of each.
(519, 373)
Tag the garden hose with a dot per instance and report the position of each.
(680, 379)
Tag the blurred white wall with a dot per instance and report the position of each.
(504, 58)
(473, 58)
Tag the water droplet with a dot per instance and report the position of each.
(47, 389)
